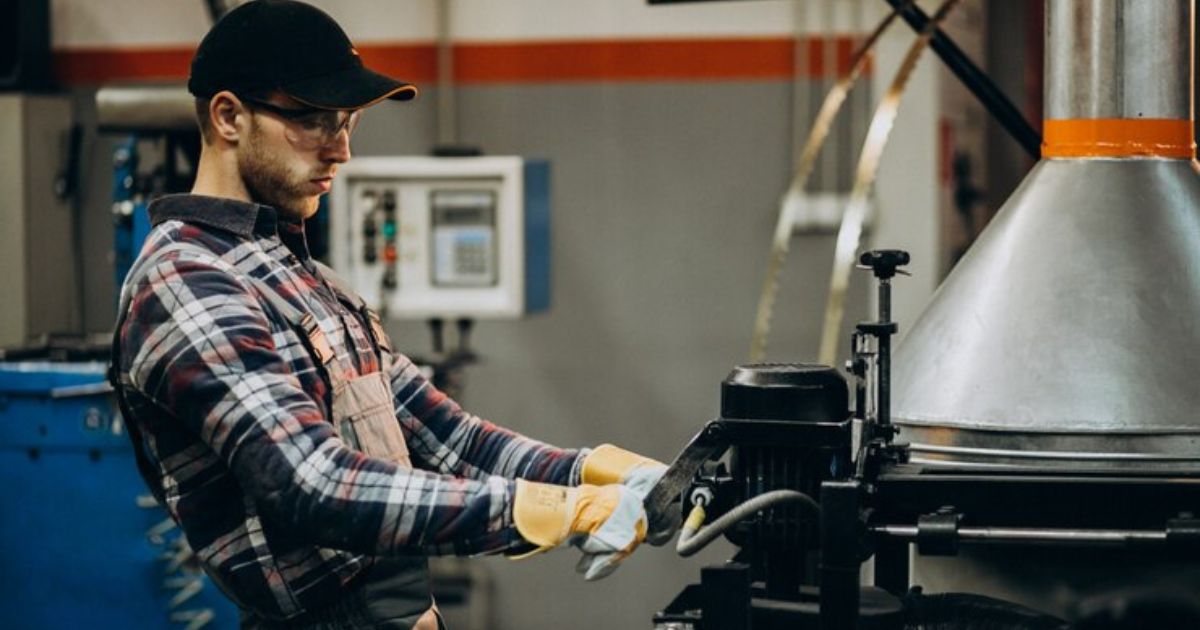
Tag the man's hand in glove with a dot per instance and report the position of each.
(609, 464)
(605, 522)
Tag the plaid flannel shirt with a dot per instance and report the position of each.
(235, 418)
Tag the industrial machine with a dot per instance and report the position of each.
(157, 155)
(101, 553)
(39, 226)
(1043, 401)
(809, 491)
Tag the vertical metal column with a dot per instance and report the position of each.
(840, 563)
(892, 566)
(885, 353)
(1114, 59)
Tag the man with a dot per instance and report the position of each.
(310, 467)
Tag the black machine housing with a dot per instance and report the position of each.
(790, 427)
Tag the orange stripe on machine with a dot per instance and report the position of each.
(1118, 137)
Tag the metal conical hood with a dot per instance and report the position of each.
(1069, 335)
(1070, 332)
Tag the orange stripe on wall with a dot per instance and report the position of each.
(637, 60)
(514, 62)
(84, 66)
(411, 62)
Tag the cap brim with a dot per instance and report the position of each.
(351, 88)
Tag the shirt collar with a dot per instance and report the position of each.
(242, 218)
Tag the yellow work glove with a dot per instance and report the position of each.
(610, 464)
(605, 522)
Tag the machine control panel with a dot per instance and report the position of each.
(422, 237)
(464, 238)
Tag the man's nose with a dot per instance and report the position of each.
(338, 149)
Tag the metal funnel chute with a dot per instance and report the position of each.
(1069, 335)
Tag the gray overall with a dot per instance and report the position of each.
(393, 593)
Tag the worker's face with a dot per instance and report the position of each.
(284, 163)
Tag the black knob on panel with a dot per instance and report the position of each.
(884, 262)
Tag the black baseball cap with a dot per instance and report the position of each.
(292, 47)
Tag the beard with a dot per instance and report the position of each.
(270, 182)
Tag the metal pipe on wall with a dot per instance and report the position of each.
(145, 108)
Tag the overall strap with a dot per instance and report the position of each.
(347, 293)
(314, 338)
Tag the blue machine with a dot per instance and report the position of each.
(82, 545)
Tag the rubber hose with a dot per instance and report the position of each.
(692, 538)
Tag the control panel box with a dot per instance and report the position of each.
(422, 237)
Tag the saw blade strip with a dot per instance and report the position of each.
(817, 136)
(850, 232)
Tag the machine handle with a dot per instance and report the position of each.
(79, 391)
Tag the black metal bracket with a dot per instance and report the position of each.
(726, 590)
(872, 365)
(1183, 534)
(841, 560)
(937, 533)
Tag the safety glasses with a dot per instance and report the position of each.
(310, 127)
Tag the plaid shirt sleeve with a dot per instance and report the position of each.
(200, 346)
(446, 438)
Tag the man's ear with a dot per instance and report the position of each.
(224, 109)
